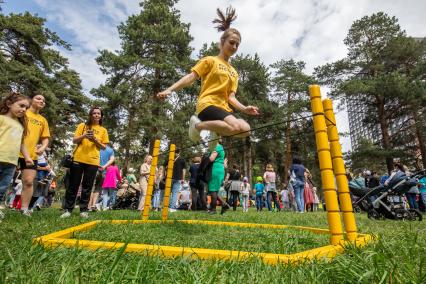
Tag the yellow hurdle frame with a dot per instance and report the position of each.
(331, 165)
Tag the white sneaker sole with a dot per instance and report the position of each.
(193, 133)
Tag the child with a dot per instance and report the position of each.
(42, 163)
(16, 204)
(219, 82)
(316, 199)
(245, 193)
(285, 198)
(12, 131)
(259, 190)
(185, 198)
(109, 186)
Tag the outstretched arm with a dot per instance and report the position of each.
(251, 110)
(183, 82)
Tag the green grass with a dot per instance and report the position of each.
(398, 256)
(212, 237)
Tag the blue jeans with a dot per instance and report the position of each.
(411, 197)
(156, 199)
(271, 196)
(299, 189)
(39, 202)
(259, 202)
(423, 196)
(174, 193)
(108, 197)
(6, 175)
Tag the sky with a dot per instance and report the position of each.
(308, 30)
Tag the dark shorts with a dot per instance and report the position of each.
(23, 165)
(213, 113)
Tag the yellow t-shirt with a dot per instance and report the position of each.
(87, 152)
(218, 80)
(37, 128)
(10, 139)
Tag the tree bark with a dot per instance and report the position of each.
(288, 142)
(249, 158)
(419, 134)
(384, 127)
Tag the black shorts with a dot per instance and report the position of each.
(213, 113)
(23, 165)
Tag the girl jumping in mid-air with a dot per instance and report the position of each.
(219, 82)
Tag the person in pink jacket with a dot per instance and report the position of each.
(109, 186)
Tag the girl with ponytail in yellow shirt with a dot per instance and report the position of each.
(219, 82)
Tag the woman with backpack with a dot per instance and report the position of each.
(297, 178)
(233, 183)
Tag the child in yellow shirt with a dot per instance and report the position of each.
(12, 130)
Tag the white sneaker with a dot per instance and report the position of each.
(98, 206)
(27, 213)
(84, 215)
(66, 214)
(1, 216)
(172, 210)
(213, 141)
(193, 133)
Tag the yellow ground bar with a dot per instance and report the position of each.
(64, 238)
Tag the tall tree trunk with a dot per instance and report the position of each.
(127, 145)
(419, 134)
(288, 141)
(153, 132)
(248, 158)
(384, 127)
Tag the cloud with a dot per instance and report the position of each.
(311, 31)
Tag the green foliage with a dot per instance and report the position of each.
(155, 52)
(376, 72)
(290, 85)
(29, 65)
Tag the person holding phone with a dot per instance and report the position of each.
(90, 137)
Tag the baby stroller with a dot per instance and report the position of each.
(358, 191)
(127, 198)
(388, 203)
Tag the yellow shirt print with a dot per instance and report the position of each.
(218, 80)
(87, 152)
(37, 128)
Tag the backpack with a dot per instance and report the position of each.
(293, 178)
(204, 173)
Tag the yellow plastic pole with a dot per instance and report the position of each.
(326, 168)
(339, 171)
(167, 190)
(151, 180)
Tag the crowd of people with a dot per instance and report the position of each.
(414, 198)
(95, 182)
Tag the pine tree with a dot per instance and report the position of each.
(290, 85)
(29, 65)
(155, 53)
(365, 75)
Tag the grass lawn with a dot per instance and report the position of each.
(398, 256)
